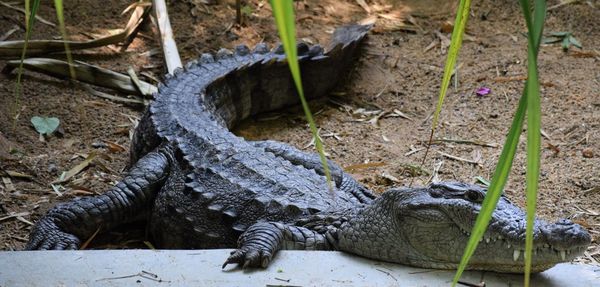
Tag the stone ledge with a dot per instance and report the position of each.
(289, 268)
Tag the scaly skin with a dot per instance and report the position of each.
(429, 227)
(200, 186)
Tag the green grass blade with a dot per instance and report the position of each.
(462, 15)
(533, 122)
(530, 92)
(284, 18)
(496, 186)
(30, 12)
(58, 5)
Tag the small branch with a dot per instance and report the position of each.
(238, 12)
(13, 215)
(562, 3)
(139, 15)
(89, 240)
(172, 59)
(458, 158)
(413, 150)
(461, 141)
(9, 32)
(111, 97)
(140, 86)
(85, 73)
(13, 49)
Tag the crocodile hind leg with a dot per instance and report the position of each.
(342, 180)
(65, 225)
(259, 243)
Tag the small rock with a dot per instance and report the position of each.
(587, 153)
(99, 145)
(52, 168)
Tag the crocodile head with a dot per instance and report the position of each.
(429, 227)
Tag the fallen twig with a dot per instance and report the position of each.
(89, 240)
(143, 274)
(85, 73)
(519, 78)
(20, 218)
(8, 185)
(562, 3)
(137, 83)
(458, 158)
(398, 113)
(364, 5)
(13, 49)
(590, 190)
(139, 15)
(97, 93)
(461, 141)
(413, 150)
(38, 17)
(354, 167)
(10, 32)
(544, 134)
(13, 215)
(167, 41)
(16, 174)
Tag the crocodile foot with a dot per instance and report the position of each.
(46, 235)
(250, 257)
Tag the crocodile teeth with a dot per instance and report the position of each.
(563, 254)
(487, 240)
(516, 254)
(508, 246)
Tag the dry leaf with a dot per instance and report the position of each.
(77, 169)
(114, 147)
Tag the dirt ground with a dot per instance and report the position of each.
(375, 125)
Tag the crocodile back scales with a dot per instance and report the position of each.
(227, 175)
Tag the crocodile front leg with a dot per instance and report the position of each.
(261, 241)
(65, 225)
(342, 180)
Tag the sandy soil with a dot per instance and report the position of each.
(398, 74)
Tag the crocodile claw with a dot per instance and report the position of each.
(249, 258)
(46, 235)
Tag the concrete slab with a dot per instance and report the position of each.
(203, 268)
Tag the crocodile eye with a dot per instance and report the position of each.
(435, 193)
(474, 196)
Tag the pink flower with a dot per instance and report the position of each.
(483, 91)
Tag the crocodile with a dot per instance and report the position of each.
(197, 185)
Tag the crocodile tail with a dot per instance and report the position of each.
(262, 81)
(220, 90)
(345, 36)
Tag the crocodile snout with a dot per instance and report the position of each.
(565, 234)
